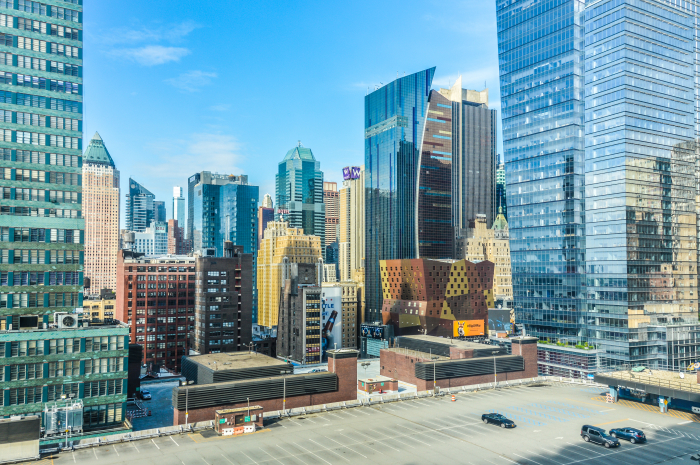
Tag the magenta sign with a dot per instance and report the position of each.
(351, 172)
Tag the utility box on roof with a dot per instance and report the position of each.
(234, 421)
(19, 438)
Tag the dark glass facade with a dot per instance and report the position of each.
(140, 208)
(394, 122)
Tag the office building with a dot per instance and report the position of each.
(437, 297)
(329, 273)
(224, 301)
(100, 308)
(101, 213)
(205, 177)
(299, 320)
(267, 201)
(159, 207)
(265, 215)
(351, 307)
(152, 241)
(86, 363)
(40, 155)
(140, 208)
(542, 112)
(331, 200)
(178, 206)
(299, 193)
(430, 160)
(177, 245)
(501, 190)
(155, 297)
(492, 244)
(351, 240)
(282, 244)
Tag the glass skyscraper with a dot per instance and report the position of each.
(395, 117)
(140, 208)
(540, 47)
(299, 193)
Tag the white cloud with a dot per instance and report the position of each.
(220, 107)
(151, 55)
(192, 81)
(171, 33)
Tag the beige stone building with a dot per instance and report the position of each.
(281, 244)
(352, 224)
(481, 243)
(99, 308)
(101, 212)
(331, 200)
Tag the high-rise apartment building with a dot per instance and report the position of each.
(160, 213)
(615, 90)
(178, 206)
(299, 193)
(177, 245)
(282, 245)
(152, 241)
(352, 223)
(140, 208)
(331, 200)
(267, 201)
(101, 212)
(224, 301)
(299, 323)
(155, 297)
(430, 158)
(42, 226)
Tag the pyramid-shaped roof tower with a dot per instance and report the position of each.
(97, 152)
(300, 153)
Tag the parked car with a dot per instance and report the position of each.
(145, 394)
(598, 436)
(497, 419)
(631, 434)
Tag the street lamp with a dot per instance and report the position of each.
(495, 379)
(365, 365)
(434, 358)
(284, 389)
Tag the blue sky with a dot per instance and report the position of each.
(175, 87)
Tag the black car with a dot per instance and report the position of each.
(598, 436)
(631, 434)
(497, 419)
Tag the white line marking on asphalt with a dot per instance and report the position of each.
(361, 443)
(360, 411)
(329, 450)
(227, 459)
(133, 444)
(685, 422)
(608, 410)
(73, 456)
(183, 463)
(154, 443)
(275, 458)
(115, 449)
(296, 457)
(412, 433)
(302, 447)
(93, 451)
(538, 463)
(352, 450)
(171, 438)
(587, 450)
(256, 463)
(348, 413)
(376, 440)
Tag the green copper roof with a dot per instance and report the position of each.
(300, 153)
(97, 152)
(500, 223)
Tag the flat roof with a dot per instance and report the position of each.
(240, 409)
(423, 356)
(377, 379)
(235, 360)
(658, 377)
(450, 342)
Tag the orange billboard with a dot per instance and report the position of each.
(461, 328)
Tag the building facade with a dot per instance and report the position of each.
(101, 212)
(178, 206)
(85, 363)
(351, 308)
(100, 308)
(282, 244)
(352, 223)
(299, 193)
(224, 302)
(155, 298)
(177, 245)
(423, 296)
(542, 111)
(481, 243)
(331, 199)
(265, 215)
(205, 177)
(140, 208)
(501, 204)
(160, 213)
(153, 241)
(299, 319)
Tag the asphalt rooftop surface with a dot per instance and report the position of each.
(434, 430)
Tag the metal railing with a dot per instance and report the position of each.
(691, 385)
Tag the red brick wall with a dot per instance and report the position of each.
(345, 368)
(456, 353)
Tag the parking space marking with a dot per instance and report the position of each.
(171, 438)
(256, 463)
(329, 450)
(95, 452)
(274, 458)
(376, 440)
(115, 450)
(154, 443)
(413, 432)
(529, 460)
(301, 447)
(296, 457)
(614, 421)
(227, 459)
(342, 445)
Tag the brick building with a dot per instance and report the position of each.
(177, 245)
(423, 296)
(229, 381)
(155, 297)
(419, 360)
(224, 301)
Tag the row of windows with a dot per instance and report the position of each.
(42, 46)
(40, 257)
(41, 212)
(42, 9)
(39, 195)
(61, 346)
(40, 158)
(34, 278)
(36, 101)
(40, 235)
(38, 300)
(40, 27)
(71, 179)
(32, 119)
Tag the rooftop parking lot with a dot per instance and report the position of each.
(434, 430)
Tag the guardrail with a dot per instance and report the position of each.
(274, 414)
(654, 381)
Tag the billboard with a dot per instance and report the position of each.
(351, 172)
(499, 321)
(331, 319)
(462, 328)
(372, 331)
